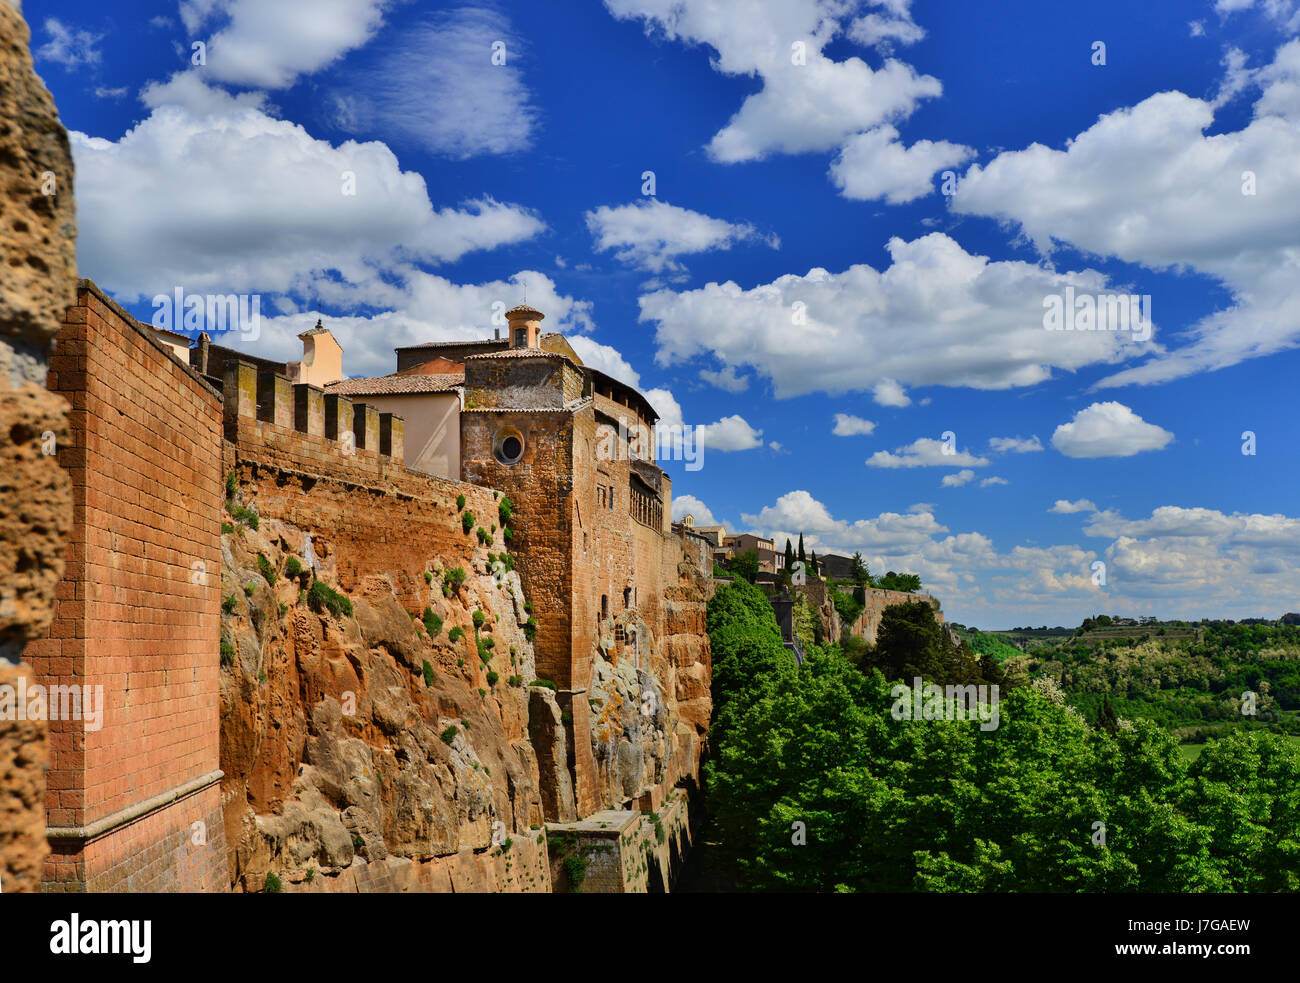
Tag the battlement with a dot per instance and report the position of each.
(254, 394)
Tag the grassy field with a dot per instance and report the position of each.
(1191, 752)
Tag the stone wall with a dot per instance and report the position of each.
(868, 623)
(137, 614)
(37, 281)
(623, 851)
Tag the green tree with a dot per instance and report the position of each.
(859, 573)
(744, 564)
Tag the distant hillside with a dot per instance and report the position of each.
(1188, 678)
(985, 643)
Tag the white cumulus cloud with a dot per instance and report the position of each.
(651, 234)
(1108, 430)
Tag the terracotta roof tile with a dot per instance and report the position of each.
(398, 385)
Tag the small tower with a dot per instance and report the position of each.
(525, 326)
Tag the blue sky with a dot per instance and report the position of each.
(859, 213)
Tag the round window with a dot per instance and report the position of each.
(508, 447)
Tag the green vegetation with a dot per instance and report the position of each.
(452, 581)
(847, 606)
(575, 871)
(428, 673)
(323, 597)
(292, 568)
(244, 516)
(428, 576)
(530, 628)
(228, 604)
(888, 804)
(432, 623)
(544, 682)
(227, 529)
(357, 842)
(467, 521)
(455, 634)
(484, 536)
(492, 678)
(460, 502)
(267, 571)
(232, 485)
(478, 618)
(505, 509)
(449, 735)
(983, 643)
(516, 681)
(1191, 680)
(907, 582)
(227, 653)
(744, 565)
(273, 884)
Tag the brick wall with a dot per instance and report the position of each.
(137, 612)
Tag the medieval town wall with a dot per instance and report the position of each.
(132, 799)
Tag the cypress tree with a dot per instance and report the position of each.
(801, 553)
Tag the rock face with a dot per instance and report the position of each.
(358, 739)
(37, 281)
(649, 696)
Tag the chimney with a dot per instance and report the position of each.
(525, 326)
(204, 341)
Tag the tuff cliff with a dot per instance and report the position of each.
(37, 281)
(349, 738)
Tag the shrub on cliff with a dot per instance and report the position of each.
(449, 735)
(467, 521)
(455, 634)
(504, 511)
(479, 617)
(428, 673)
(245, 516)
(452, 581)
(432, 623)
(268, 571)
(292, 568)
(460, 502)
(323, 597)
